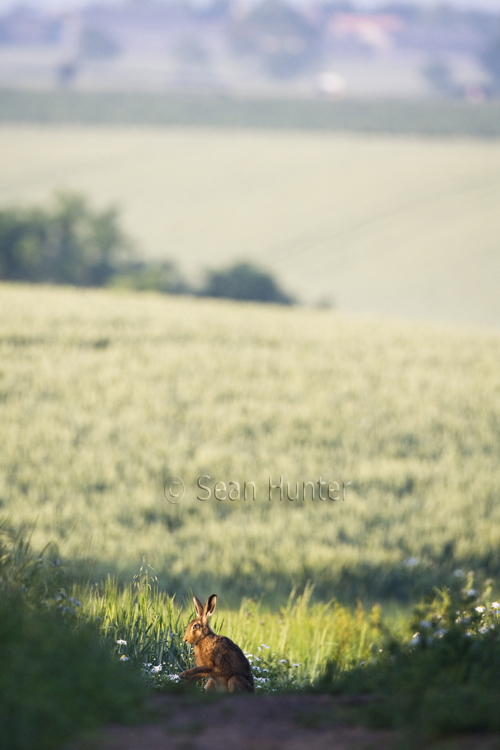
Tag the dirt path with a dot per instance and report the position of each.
(301, 722)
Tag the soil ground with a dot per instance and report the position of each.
(294, 722)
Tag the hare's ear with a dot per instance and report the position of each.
(198, 605)
(209, 606)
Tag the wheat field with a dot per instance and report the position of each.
(395, 225)
(104, 395)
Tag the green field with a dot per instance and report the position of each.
(395, 225)
(442, 118)
(103, 395)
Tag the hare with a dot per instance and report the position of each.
(217, 657)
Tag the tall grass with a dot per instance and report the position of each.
(288, 647)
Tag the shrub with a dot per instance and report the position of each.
(160, 276)
(244, 281)
(444, 679)
(58, 677)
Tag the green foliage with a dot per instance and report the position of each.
(68, 243)
(71, 244)
(58, 676)
(244, 281)
(444, 679)
(160, 276)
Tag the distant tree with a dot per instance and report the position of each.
(155, 276)
(244, 281)
(277, 33)
(68, 243)
(22, 236)
(439, 76)
(96, 44)
(66, 74)
(491, 60)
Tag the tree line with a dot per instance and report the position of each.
(71, 243)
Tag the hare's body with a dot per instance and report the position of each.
(217, 657)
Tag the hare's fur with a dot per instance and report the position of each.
(217, 657)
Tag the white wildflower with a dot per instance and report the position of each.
(282, 661)
(124, 658)
(264, 645)
(472, 592)
(425, 624)
(75, 602)
(440, 632)
(495, 605)
(480, 610)
(121, 643)
(157, 669)
(484, 629)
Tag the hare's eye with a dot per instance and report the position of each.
(196, 626)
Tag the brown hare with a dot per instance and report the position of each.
(217, 657)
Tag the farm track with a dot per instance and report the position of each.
(294, 722)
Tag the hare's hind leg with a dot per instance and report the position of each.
(211, 687)
(239, 684)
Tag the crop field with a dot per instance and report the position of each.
(429, 117)
(404, 225)
(104, 395)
